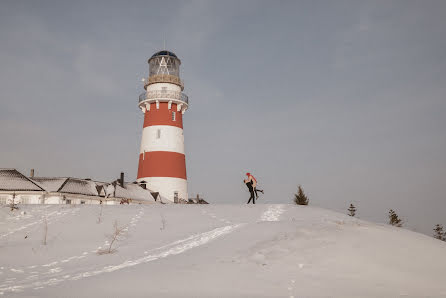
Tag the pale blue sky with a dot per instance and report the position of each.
(346, 98)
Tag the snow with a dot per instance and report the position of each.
(133, 191)
(50, 184)
(213, 251)
(79, 186)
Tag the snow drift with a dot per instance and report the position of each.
(213, 251)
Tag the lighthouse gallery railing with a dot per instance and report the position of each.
(164, 94)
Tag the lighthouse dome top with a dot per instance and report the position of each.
(164, 53)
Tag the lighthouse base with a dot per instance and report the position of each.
(168, 187)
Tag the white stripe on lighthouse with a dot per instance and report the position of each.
(162, 138)
(167, 186)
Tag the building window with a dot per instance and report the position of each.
(3, 199)
(24, 199)
(173, 116)
(82, 202)
(175, 197)
(158, 133)
(68, 201)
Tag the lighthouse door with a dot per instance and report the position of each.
(175, 197)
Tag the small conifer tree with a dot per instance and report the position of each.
(394, 220)
(300, 198)
(352, 210)
(438, 232)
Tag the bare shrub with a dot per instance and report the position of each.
(100, 214)
(163, 222)
(45, 230)
(13, 203)
(119, 234)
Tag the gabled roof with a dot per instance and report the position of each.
(50, 184)
(79, 186)
(13, 180)
(132, 191)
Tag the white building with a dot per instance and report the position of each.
(18, 189)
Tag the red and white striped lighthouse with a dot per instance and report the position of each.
(162, 162)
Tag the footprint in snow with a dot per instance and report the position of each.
(17, 270)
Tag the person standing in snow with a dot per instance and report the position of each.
(254, 184)
(251, 190)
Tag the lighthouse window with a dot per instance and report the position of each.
(158, 133)
(173, 116)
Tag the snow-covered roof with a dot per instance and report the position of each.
(79, 186)
(50, 184)
(13, 180)
(132, 191)
(106, 190)
(164, 200)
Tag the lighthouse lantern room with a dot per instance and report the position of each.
(162, 161)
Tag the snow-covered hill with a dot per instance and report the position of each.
(213, 251)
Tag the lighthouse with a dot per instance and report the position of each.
(162, 161)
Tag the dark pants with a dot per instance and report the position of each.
(255, 190)
(251, 191)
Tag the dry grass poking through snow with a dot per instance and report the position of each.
(119, 234)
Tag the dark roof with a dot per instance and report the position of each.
(13, 180)
(164, 53)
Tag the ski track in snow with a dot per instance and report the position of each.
(45, 269)
(57, 275)
(213, 216)
(50, 217)
(83, 255)
(133, 222)
(291, 288)
(174, 248)
(272, 213)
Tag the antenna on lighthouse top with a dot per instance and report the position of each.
(164, 41)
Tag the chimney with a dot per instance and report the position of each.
(32, 173)
(121, 181)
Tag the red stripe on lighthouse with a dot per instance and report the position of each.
(163, 116)
(162, 164)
